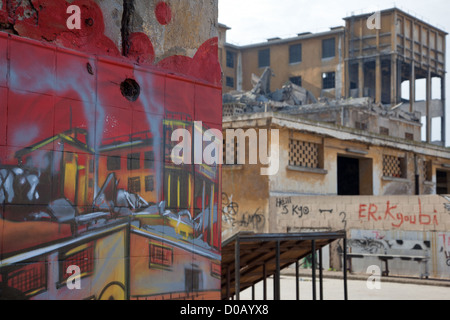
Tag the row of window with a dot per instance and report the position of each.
(295, 54)
(134, 184)
(114, 163)
(309, 155)
(328, 81)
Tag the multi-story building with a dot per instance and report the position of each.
(360, 156)
(355, 60)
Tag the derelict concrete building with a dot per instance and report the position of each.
(394, 62)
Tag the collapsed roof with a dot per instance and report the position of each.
(296, 100)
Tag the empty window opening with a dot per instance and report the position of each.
(442, 182)
(295, 53)
(355, 176)
(264, 58)
(230, 59)
(328, 48)
(230, 82)
(436, 129)
(384, 131)
(329, 80)
(348, 176)
(405, 95)
(296, 80)
(423, 121)
(436, 86)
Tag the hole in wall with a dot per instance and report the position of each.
(89, 69)
(130, 89)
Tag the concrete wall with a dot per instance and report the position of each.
(310, 69)
(301, 181)
(86, 174)
(380, 225)
(175, 34)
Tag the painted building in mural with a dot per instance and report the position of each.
(87, 184)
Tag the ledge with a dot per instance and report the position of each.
(307, 170)
(401, 180)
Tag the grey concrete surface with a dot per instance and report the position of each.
(333, 288)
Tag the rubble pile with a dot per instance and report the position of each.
(296, 100)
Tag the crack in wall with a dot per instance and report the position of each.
(128, 12)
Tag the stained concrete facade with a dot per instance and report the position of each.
(401, 48)
(315, 170)
(355, 61)
(309, 66)
(327, 180)
(174, 27)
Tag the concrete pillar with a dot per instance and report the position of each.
(428, 107)
(191, 24)
(361, 78)
(378, 80)
(444, 117)
(412, 87)
(394, 79)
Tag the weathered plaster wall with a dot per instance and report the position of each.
(186, 32)
(245, 200)
(324, 181)
(178, 35)
(310, 68)
(396, 218)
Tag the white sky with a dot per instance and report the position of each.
(253, 21)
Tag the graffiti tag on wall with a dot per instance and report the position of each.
(236, 220)
(390, 212)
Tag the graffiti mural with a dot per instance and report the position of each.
(403, 244)
(91, 204)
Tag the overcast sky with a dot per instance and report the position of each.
(253, 21)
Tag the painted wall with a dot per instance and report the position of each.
(376, 225)
(86, 177)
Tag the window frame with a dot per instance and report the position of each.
(326, 82)
(326, 52)
(293, 54)
(230, 59)
(262, 57)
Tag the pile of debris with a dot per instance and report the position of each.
(296, 100)
(261, 99)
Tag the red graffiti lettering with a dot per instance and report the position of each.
(372, 210)
(398, 219)
(388, 210)
(362, 208)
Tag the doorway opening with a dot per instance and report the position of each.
(354, 176)
(442, 183)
